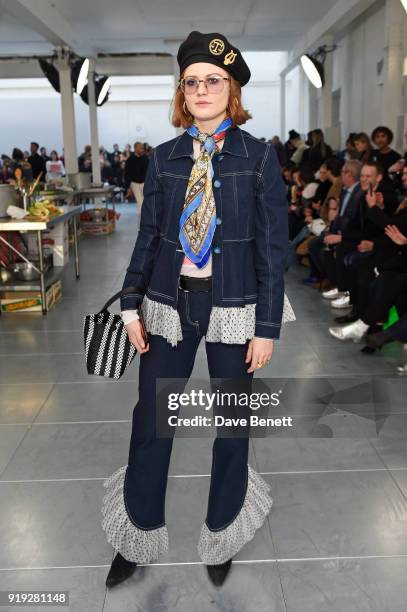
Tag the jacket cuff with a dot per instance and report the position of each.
(131, 301)
(264, 329)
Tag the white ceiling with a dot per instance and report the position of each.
(128, 26)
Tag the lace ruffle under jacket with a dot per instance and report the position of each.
(214, 547)
(230, 325)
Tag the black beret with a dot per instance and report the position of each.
(214, 49)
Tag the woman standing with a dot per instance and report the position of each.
(208, 261)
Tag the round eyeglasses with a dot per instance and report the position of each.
(213, 84)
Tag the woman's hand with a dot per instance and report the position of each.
(259, 350)
(365, 246)
(333, 239)
(393, 232)
(371, 199)
(135, 336)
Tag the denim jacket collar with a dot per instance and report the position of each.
(234, 145)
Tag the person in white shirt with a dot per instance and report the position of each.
(55, 167)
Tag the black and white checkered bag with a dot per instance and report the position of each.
(108, 350)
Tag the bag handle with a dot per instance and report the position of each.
(116, 296)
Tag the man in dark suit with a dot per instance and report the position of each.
(349, 202)
(37, 161)
(360, 235)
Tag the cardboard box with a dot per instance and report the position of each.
(30, 301)
(90, 228)
(98, 228)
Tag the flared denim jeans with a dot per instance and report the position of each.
(238, 500)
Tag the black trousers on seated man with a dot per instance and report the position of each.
(389, 289)
(322, 260)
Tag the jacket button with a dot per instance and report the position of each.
(218, 220)
(216, 249)
(217, 183)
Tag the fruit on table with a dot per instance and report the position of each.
(43, 210)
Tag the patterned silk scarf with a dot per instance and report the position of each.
(198, 219)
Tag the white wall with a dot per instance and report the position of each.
(355, 63)
(297, 102)
(138, 108)
(355, 73)
(261, 96)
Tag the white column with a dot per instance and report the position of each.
(283, 107)
(326, 94)
(312, 107)
(393, 64)
(93, 119)
(68, 112)
(303, 102)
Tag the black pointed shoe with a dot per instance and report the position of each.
(119, 570)
(378, 339)
(218, 573)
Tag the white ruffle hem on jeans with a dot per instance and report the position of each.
(134, 544)
(214, 547)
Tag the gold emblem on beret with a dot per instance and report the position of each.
(230, 58)
(216, 46)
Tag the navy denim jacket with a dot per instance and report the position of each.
(251, 237)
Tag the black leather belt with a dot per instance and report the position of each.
(195, 283)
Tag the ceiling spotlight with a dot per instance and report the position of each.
(50, 72)
(313, 65)
(314, 70)
(80, 69)
(102, 84)
(102, 90)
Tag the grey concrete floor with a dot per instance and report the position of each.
(336, 536)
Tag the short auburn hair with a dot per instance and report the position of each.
(234, 109)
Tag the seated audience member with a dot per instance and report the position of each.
(303, 213)
(317, 153)
(320, 254)
(295, 219)
(349, 204)
(321, 194)
(378, 292)
(363, 147)
(388, 252)
(384, 155)
(359, 234)
(333, 167)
